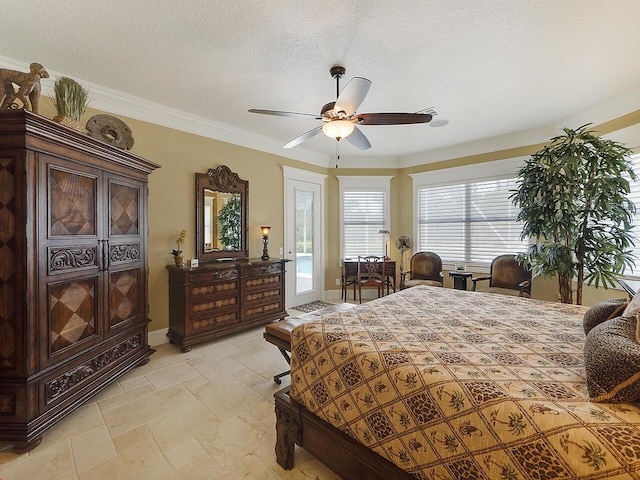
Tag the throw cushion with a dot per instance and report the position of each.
(633, 307)
(612, 361)
(632, 311)
(603, 311)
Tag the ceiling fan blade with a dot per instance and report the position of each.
(284, 114)
(392, 118)
(358, 139)
(352, 95)
(304, 137)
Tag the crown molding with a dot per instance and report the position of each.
(614, 108)
(119, 103)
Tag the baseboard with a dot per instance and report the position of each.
(158, 337)
(336, 295)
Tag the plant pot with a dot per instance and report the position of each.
(179, 261)
(70, 122)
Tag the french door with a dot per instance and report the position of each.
(303, 236)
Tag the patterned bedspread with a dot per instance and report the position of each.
(455, 385)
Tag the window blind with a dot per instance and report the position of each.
(471, 222)
(634, 196)
(363, 218)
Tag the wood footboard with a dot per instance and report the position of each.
(345, 456)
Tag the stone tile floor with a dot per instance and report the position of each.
(205, 414)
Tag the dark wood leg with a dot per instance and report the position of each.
(24, 447)
(144, 361)
(185, 349)
(287, 434)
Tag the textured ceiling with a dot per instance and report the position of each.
(492, 68)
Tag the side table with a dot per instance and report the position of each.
(460, 279)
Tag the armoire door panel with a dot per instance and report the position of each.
(73, 208)
(71, 321)
(124, 297)
(124, 208)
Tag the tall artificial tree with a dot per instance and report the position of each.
(573, 197)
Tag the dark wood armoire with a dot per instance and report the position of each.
(73, 271)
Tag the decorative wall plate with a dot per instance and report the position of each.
(111, 130)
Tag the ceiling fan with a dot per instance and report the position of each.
(340, 117)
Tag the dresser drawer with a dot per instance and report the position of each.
(260, 283)
(204, 305)
(257, 270)
(213, 276)
(211, 322)
(223, 287)
(263, 310)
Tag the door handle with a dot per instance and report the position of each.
(105, 255)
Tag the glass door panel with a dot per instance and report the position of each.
(304, 241)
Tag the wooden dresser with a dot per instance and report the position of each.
(73, 271)
(218, 298)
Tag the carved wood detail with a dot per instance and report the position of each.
(69, 258)
(60, 385)
(226, 274)
(223, 178)
(124, 253)
(288, 433)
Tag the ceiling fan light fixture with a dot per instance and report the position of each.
(338, 129)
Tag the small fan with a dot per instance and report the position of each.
(340, 118)
(403, 244)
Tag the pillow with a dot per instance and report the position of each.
(612, 361)
(632, 311)
(633, 307)
(603, 311)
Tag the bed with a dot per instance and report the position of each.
(435, 383)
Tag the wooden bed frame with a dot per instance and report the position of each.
(345, 456)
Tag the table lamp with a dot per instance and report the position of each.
(265, 242)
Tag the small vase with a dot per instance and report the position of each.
(179, 261)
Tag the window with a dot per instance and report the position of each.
(468, 220)
(364, 212)
(634, 196)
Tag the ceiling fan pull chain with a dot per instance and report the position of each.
(337, 152)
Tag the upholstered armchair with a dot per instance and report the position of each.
(425, 269)
(507, 277)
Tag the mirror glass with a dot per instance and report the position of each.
(221, 215)
(222, 220)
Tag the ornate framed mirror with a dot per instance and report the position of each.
(222, 213)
